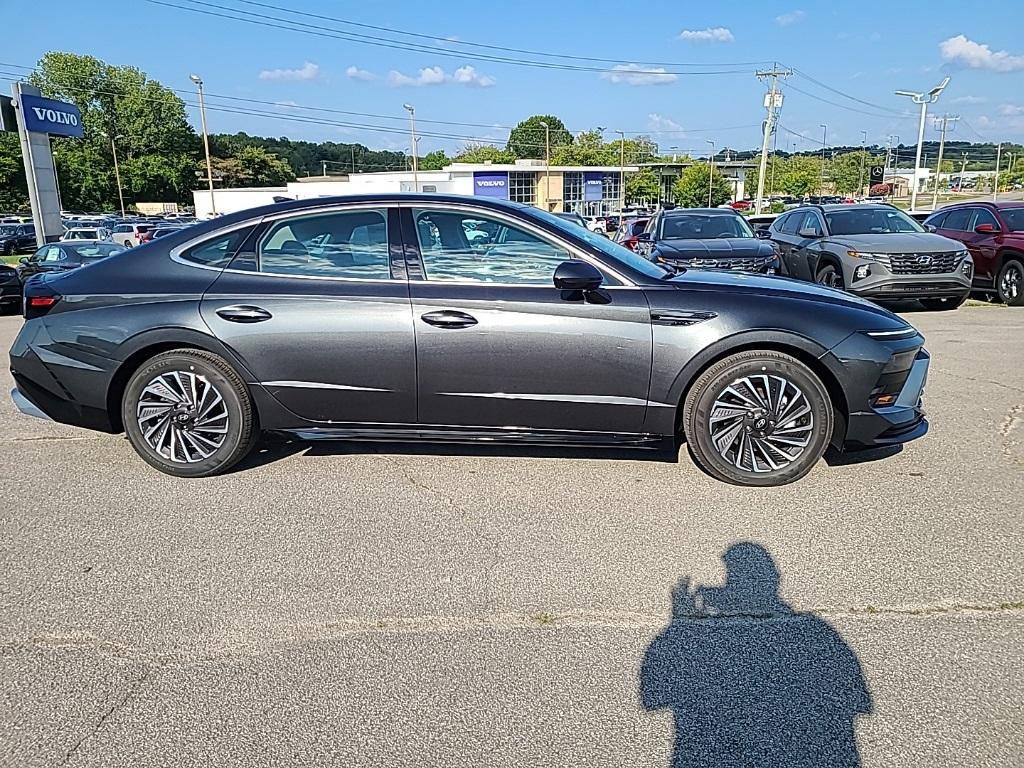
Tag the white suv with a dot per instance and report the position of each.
(130, 235)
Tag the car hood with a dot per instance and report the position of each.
(784, 288)
(716, 248)
(901, 242)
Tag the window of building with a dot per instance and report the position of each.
(350, 244)
(610, 187)
(572, 190)
(467, 247)
(522, 187)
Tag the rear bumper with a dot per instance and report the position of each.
(899, 423)
(26, 406)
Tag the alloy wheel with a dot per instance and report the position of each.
(1011, 283)
(182, 417)
(761, 423)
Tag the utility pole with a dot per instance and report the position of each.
(547, 163)
(944, 123)
(622, 174)
(824, 142)
(412, 132)
(206, 141)
(323, 164)
(995, 181)
(963, 170)
(860, 181)
(772, 103)
(711, 169)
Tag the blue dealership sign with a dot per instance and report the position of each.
(491, 184)
(593, 186)
(57, 118)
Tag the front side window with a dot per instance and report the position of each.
(48, 255)
(984, 216)
(345, 244)
(467, 247)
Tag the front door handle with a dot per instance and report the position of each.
(244, 313)
(448, 318)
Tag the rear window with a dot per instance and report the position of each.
(219, 250)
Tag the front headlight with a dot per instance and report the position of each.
(880, 258)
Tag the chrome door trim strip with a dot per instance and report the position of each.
(322, 385)
(544, 397)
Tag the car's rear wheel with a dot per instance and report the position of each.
(946, 302)
(759, 418)
(831, 276)
(1010, 283)
(188, 413)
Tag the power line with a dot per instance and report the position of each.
(804, 75)
(892, 116)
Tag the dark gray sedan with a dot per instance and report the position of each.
(381, 318)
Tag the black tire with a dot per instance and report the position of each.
(816, 426)
(210, 371)
(830, 275)
(9, 249)
(1010, 283)
(944, 303)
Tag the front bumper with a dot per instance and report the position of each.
(898, 423)
(881, 283)
(26, 406)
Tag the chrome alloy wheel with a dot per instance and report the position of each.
(1011, 284)
(182, 417)
(761, 423)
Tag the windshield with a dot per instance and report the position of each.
(697, 226)
(604, 245)
(1014, 218)
(870, 221)
(82, 234)
(99, 250)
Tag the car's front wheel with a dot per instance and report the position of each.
(831, 276)
(759, 418)
(188, 413)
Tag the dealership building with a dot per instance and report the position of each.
(588, 190)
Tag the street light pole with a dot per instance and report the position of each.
(711, 169)
(412, 131)
(860, 182)
(938, 163)
(117, 173)
(547, 163)
(622, 174)
(824, 142)
(206, 140)
(995, 181)
(924, 99)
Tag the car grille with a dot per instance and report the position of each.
(740, 265)
(923, 263)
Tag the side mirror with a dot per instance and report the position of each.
(23, 260)
(985, 229)
(931, 228)
(808, 232)
(762, 234)
(577, 276)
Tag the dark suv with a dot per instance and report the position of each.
(707, 238)
(17, 237)
(994, 234)
(874, 251)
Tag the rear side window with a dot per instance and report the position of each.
(957, 219)
(218, 251)
(123, 228)
(936, 220)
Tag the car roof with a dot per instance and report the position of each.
(702, 211)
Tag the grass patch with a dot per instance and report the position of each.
(980, 303)
(11, 260)
(543, 619)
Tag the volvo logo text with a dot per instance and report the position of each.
(53, 116)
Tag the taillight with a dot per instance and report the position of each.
(39, 298)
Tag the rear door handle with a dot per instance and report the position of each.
(244, 313)
(448, 318)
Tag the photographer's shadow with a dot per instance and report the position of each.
(749, 681)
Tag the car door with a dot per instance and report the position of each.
(983, 245)
(317, 306)
(803, 255)
(784, 236)
(498, 346)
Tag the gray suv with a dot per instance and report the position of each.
(874, 251)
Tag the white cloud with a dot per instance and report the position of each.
(308, 71)
(968, 100)
(790, 18)
(978, 55)
(1011, 110)
(709, 35)
(468, 75)
(637, 74)
(661, 124)
(355, 73)
(465, 75)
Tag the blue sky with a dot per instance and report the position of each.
(864, 50)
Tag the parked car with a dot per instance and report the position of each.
(62, 256)
(874, 251)
(10, 289)
(17, 237)
(130, 234)
(95, 234)
(374, 317)
(994, 235)
(707, 238)
(741, 205)
(628, 234)
(575, 218)
(159, 231)
(596, 224)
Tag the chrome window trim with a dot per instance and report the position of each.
(543, 234)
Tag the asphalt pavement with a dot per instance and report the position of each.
(354, 605)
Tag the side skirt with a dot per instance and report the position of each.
(398, 434)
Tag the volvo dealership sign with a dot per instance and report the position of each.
(57, 118)
(491, 184)
(593, 186)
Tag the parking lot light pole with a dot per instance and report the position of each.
(412, 132)
(711, 169)
(547, 164)
(824, 142)
(995, 179)
(117, 171)
(860, 181)
(924, 99)
(622, 174)
(206, 140)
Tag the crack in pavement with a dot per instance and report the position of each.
(1009, 424)
(129, 694)
(977, 380)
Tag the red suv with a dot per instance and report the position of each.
(994, 235)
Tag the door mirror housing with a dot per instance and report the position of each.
(931, 228)
(763, 234)
(577, 276)
(23, 260)
(986, 229)
(809, 232)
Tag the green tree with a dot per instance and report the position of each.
(527, 140)
(483, 153)
(589, 148)
(643, 187)
(155, 142)
(434, 161)
(13, 191)
(691, 188)
(263, 168)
